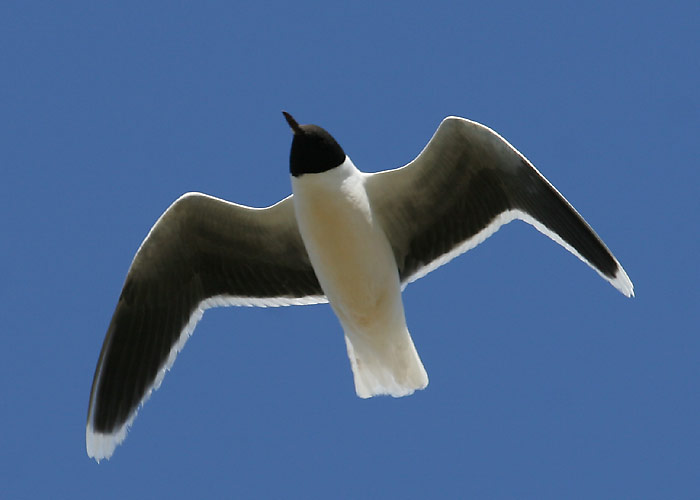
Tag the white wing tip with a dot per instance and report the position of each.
(100, 445)
(622, 282)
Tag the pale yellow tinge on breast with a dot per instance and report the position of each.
(350, 253)
(356, 268)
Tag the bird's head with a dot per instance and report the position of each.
(313, 149)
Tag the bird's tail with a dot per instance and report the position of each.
(385, 363)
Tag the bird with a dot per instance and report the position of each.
(345, 237)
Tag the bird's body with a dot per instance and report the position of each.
(355, 266)
(345, 237)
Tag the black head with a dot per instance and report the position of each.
(313, 149)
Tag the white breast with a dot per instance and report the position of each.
(348, 249)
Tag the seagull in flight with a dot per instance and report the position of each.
(345, 237)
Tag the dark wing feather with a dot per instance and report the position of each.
(465, 184)
(202, 252)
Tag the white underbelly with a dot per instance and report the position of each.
(356, 268)
(352, 258)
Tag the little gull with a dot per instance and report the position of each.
(346, 237)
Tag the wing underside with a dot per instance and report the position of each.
(203, 252)
(466, 184)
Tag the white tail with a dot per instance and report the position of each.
(385, 364)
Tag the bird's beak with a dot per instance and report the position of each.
(293, 123)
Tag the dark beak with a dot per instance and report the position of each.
(293, 123)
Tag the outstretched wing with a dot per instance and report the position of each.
(202, 252)
(465, 184)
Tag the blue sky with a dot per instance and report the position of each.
(545, 382)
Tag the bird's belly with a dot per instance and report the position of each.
(353, 260)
